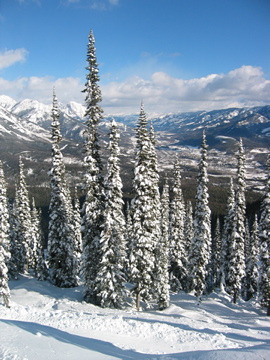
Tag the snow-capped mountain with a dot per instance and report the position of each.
(252, 124)
(6, 102)
(25, 129)
(32, 110)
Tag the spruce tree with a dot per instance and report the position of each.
(61, 259)
(252, 274)
(145, 217)
(93, 207)
(214, 265)
(41, 269)
(227, 239)
(4, 240)
(264, 248)
(200, 246)
(160, 276)
(109, 283)
(36, 235)
(188, 227)
(76, 222)
(162, 258)
(238, 250)
(23, 224)
(15, 246)
(178, 263)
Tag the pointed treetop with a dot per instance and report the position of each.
(55, 124)
(204, 144)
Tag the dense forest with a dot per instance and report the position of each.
(145, 247)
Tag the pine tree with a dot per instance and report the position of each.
(23, 220)
(214, 266)
(160, 286)
(264, 246)
(162, 258)
(252, 274)
(109, 283)
(15, 246)
(41, 269)
(93, 207)
(76, 222)
(227, 238)
(178, 263)
(188, 227)
(4, 240)
(238, 250)
(145, 217)
(61, 259)
(36, 234)
(200, 246)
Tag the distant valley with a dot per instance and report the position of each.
(25, 131)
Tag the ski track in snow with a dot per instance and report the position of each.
(45, 322)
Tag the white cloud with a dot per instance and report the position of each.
(245, 86)
(10, 57)
(162, 93)
(94, 4)
(40, 88)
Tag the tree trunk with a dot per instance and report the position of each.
(138, 300)
(234, 297)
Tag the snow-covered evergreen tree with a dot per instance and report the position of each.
(214, 265)
(15, 246)
(40, 266)
(178, 259)
(76, 222)
(145, 217)
(23, 224)
(251, 281)
(4, 240)
(200, 246)
(264, 247)
(237, 253)
(227, 237)
(36, 235)
(93, 207)
(109, 289)
(188, 226)
(61, 259)
(162, 258)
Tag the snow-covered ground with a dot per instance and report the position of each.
(48, 323)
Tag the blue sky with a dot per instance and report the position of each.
(175, 55)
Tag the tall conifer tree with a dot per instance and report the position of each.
(15, 246)
(264, 247)
(41, 269)
(4, 240)
(61, 258)
(200, 246)
(109, 283)
(237, 253)
(76, 222)
(214, 265)
(162, 258)
(93, 207)
(252, 260)
(227, 238)
(178, 263)
(145, 217)
(23, 224)
(188, 229)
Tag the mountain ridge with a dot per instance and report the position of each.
(25, 130)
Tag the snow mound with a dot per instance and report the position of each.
(46, 322)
